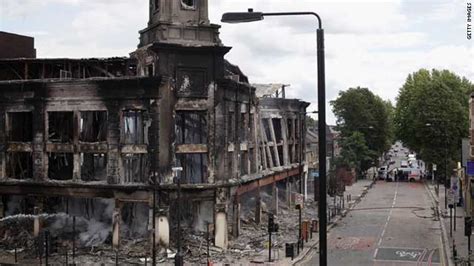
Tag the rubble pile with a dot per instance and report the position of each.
(252, 243)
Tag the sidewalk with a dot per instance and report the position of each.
(457, 239)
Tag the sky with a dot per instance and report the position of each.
(373, 44)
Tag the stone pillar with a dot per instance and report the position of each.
(39, 156)
(162, 228)
(114, 162)
(116, 217)
(220, 218)
(36, 222)
(221, 238)
(258, 207)
(236, 225)
(275, 199)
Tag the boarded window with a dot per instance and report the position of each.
(191, 128)
(194, 167)
(93, 167)
(133, 127)
(19, 165)
(60, 127)
(135, 168)
(61, 166)
(20, 126)
(93, 126)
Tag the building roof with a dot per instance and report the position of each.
(267, 90)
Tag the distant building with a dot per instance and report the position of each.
(16, 46)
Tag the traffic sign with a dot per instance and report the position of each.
(470, 168)
(451, 197)
(434, 167)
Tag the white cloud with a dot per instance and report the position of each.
(373, 44)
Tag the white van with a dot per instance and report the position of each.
(403, 164)
(412, 174)
(382, 172)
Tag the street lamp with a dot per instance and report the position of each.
(250, 16)
(178, 259)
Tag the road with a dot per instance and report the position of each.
(393, 225)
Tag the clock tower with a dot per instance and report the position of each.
(183, 22)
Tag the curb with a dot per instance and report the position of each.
(446, 252)
(312, 249)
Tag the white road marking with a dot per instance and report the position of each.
(388, 220)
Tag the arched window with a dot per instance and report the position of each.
(188, 4)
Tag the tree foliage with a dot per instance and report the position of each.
(431, 116)
(364, 118)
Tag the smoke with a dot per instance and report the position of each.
(13, 205)
(93, 220)
(205, 216)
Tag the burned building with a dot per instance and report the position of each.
(16, 46)
(76, 130)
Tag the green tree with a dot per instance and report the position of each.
(355, 153)
(359, 110)
(311, 122)
(431, 116)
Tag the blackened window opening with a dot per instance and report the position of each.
(191, 128)
(277, 129)
(93, 126)
(135, 168)
(133, 127)
(194, 168)
(20, 126)
(60, 127)
(61, 166)
(19, 165)
(189, 3)
(93, 167)
(266, 128)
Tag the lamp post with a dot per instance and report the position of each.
(250, 16)
(178, 259)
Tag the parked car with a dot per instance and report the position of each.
(382, 172)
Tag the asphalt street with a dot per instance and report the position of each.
(393, 225)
